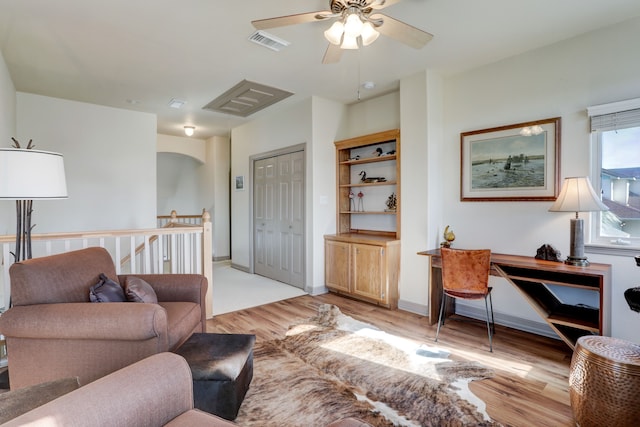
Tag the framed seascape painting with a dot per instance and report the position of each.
(514, 162)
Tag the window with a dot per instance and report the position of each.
(616, 132)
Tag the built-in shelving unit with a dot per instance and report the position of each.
(362, 259)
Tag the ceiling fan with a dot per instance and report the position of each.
(356, 21)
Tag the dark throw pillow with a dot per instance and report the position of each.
(137, 290)
(106, 290)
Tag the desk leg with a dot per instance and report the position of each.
(435, 297)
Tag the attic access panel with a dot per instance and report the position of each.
(246, 98)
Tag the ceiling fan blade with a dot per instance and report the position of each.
(332, 54)
(282, 21)
(381, 4)
(402, 31)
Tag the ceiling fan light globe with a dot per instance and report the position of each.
(353, 25)
(334, 33)
(349, 42)
(369, 34)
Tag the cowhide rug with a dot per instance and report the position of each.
(333, 366)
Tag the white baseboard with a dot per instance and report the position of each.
(413, 307)
(519, 323)
(507, 320)
(241, 267)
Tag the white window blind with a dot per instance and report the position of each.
(617, 115)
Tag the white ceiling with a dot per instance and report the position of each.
(110, 51)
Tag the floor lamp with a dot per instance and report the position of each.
(27, 175)
(577, 195)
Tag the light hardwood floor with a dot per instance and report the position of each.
(530, 386)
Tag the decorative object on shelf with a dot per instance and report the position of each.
(25, 175)
(449, 237)
(391, 203)
(352, 203)
(577, 195)
(364, 178)
(356, 157)
(548, 253)
(360, 202)
(501, 164)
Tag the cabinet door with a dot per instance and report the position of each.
(368, 270)
(337, 265)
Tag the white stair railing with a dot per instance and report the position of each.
(133, 251)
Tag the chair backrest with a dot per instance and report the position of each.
(65, 277)
(466, 270)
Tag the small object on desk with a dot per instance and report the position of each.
(548, 252)
(449, 237)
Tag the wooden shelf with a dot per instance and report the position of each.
(384, 158)
(369, 212)
(368, 184)
(362, 260)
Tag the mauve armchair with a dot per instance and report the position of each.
(54, 331)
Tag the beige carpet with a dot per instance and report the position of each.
(236, 290)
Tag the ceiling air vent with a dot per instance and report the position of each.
(246, 98)
(268, 40)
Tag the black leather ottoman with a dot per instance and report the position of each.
(222, 369)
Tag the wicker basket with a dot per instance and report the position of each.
(604, 382)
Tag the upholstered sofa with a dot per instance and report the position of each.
(156, 391)
(53, 330)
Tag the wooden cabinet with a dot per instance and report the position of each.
(362, 259)
(363, 266)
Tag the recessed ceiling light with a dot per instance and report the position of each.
(189, 130)
(176, 103)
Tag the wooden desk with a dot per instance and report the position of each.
(531, 276)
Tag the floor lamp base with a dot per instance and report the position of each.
(577, 261)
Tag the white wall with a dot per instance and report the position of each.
(110, 164)
(559, 80)
(193, 174)
(219, 154)
(314, 122)
(7, 130)
(7, 105)
(189, 146)
(178, 184)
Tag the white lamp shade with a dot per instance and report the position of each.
(334, 33)
(31, 174)
(353, 25)
(369, 34)
(577, 195)
(349, 42)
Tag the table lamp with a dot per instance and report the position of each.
(26, 175)
(577, 195)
